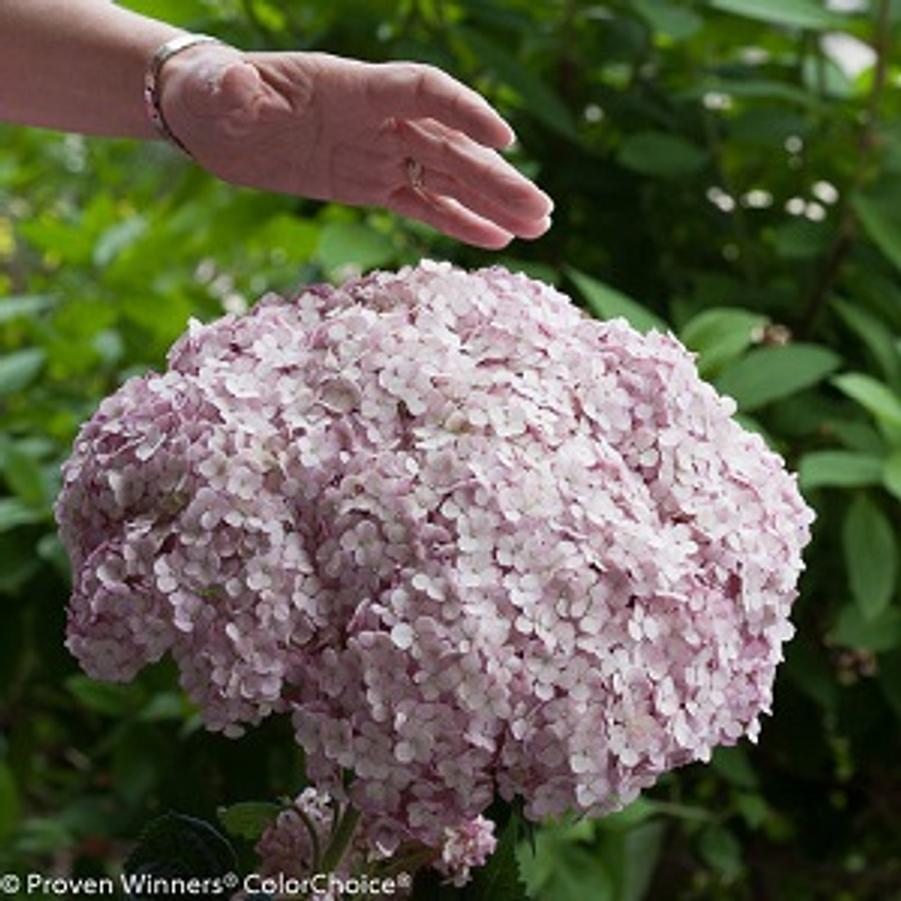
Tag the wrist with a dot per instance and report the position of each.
(201, 55)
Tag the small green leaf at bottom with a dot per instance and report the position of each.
(248, 819)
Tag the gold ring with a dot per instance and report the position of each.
(414, 173)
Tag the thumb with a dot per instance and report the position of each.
(220, 86)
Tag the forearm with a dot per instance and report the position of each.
(76, 65)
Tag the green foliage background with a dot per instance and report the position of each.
(715, 172)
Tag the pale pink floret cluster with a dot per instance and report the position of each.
(470, 539)
(288, 847)
(466, 846)
(294, 844)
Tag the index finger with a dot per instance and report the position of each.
(417, 91)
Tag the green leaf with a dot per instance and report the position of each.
(719, 335)
(118, 238)
(808, 666)
(24, 307)
(771, 373)
(176, 12)
(19, 565)
(562, 865)
(248, 819)
(539, 100)
(720, 850)
(14, 513)
(854, 630)
(18, 370)
(353, 243)
(767, 125)
(753, 807)
(9, 803)
(877, 337)
(796, 13)
(175, 845)
(669, 18)
(880, 225)
(800, 239)
(891, 474)
(296, 238)
(661, 154)
(839, 469)
(733, 763)
(608, 303)
(22, 474)
(631, 857)
(871, 561)
(874, 396)
(107, 698)
(754, 88)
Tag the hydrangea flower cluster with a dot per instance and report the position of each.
(472, 541)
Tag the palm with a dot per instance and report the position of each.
(329, 128)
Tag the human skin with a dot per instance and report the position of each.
(307, 124)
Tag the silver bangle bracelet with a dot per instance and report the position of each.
(152, 81)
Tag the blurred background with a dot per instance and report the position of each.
(728, 169)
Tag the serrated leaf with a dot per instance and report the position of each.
(891, 474)
(839, 469)
(796, 13)
(608, 303)
(870, 549)
(18, 370)
(719, 335)
(661, 154)
(882, 227)
(248, 819)
(772, 373)
(874, 396)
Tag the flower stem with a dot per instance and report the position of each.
(339, 844)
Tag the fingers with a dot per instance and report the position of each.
(479, 178)
(448, 216)
(415, 91)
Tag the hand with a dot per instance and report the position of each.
(329, 128)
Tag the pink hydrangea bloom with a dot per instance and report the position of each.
(466, 846)
(286, 847)
(471, 540)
